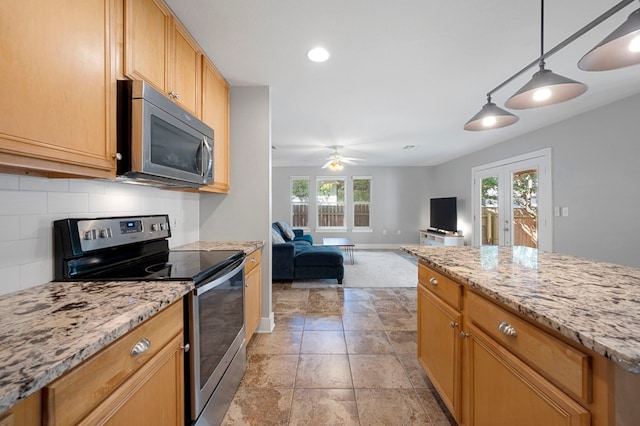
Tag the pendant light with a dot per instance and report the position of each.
(490, 116)
(545, 87)
(619, 49)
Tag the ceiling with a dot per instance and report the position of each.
(401, 73)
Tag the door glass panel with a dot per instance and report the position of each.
(490, 210)
(525, 208)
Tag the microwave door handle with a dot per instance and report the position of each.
(207, 165)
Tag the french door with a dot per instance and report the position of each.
(512, 202)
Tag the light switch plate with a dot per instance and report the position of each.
(565, 211)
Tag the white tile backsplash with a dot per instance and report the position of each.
(29, 205)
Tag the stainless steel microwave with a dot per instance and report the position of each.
(159, 143)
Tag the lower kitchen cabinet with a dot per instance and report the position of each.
(27, 412)
(503, 390)
(492, 366)
(138, 379)
(252, 293)
(439, 347)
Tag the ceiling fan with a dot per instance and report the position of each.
(335, 160)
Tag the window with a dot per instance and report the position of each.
(299, 202)
(330, 203)
(361, 202)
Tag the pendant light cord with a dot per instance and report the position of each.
(542, 33)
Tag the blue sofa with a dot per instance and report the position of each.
(299, 259)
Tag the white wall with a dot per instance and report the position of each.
(595, 162)
(30, 205)
(245, 213)
(399, 202)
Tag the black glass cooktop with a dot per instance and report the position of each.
(180, 265)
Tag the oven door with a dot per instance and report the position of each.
(216, 329)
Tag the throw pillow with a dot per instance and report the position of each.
(287, 232)
(276, 238)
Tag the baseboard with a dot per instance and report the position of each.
(266, 325)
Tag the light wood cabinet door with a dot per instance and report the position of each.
(154, 395)
(57, 115)
(147, 42)
(185, 70)
(253, 294)
(215, 113)
(439, 347)
(27, 412)
(160, 51)
(505, 391)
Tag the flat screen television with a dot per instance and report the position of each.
(444, 214)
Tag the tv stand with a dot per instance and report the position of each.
(429, 237)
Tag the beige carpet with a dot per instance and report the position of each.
(372, 269)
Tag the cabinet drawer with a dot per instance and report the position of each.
(562, 364)
(253, 260)
(71, 397)
(447, 289)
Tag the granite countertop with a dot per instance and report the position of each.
(595, 304)
(247, 246)
(51, 328)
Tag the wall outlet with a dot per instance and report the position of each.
(399, 232)
(384, 232)
(565, 211)
(556, 211)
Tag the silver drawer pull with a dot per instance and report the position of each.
(141, 346)
(453, 324)
(185, 347)
(506, 328)
(433, 281)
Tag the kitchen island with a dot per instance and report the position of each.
(498, 298)
(49, 329)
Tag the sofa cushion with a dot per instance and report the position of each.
(318, 256)
(287, 232)
(276, 238)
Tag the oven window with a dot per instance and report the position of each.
(175, 148)
(221, 318)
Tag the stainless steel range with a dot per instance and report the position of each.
(136, 248)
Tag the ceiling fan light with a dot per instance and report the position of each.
(545, 88)
(336, 166)
(489, 117)
(619, 49)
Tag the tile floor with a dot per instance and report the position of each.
(337, 357)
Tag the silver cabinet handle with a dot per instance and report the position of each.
(253, 259)
(185, 347)
(464, 335)
(174, 95)
(141, 346)
(453, 324)
(506, 328)
(433, 281)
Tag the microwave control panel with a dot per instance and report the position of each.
(96, 234)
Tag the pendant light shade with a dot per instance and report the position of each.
(490, 117)
(618, 50)
(545, 88)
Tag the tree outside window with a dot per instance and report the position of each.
(300, 202)
(361, 202)
(330, 202)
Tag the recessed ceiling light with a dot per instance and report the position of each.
(318, 54)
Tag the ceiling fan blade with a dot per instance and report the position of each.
(327, 164)
(344, 160)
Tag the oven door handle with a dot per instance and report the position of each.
(215, 283)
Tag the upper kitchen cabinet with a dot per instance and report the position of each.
(158, 50)
(57, 114)
(215, 113)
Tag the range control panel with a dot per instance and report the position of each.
(96, 234)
